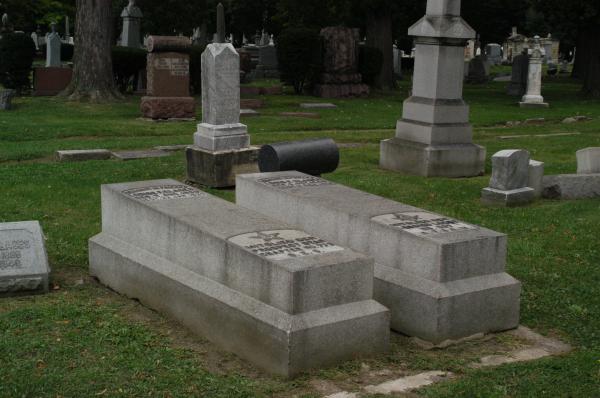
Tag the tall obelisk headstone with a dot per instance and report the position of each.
(434, 137)
(533, 98)
(221, 145)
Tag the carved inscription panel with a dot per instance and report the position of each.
(176, 66)
(164, 192)
(286, 182)
(284, 244)
(16, 250)
(423, 223)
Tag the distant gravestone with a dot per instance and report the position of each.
(494, 53)
(23, 261)
(478, 72)
(268, 65)
(533, 98)
(510, 177)
(588, 161)
(53, 44)
(518, 82)
(168, 72)
(132, 18)
(6, 97)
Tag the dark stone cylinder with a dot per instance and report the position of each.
(162, 44)
(314, 157)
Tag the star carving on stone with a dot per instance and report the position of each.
(267, 237)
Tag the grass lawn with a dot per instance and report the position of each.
(83, 340)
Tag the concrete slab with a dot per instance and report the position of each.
(80, 155)
(219, 269)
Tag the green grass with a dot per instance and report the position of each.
(80, 340)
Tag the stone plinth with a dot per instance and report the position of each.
(23, 260)
(51, 81)
(588, 161)
(218, 169)
(434, 136)
(168, 75)
(442, 279)
(272, 294)
(340, 77)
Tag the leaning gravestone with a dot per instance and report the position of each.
(510, 177)
(168, 91)
(588, 161)
(23, 261)
(274, 295)
(221, 144)
(442, 279)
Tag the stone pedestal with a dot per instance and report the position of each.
(168, 72)
(533, 98)
(434, 137)
(221, 144)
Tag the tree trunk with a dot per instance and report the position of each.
(584, 42)
(591, 78)
(92, 60)
(379, 35)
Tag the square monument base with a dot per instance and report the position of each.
(453, 161)
(533, 105)
(168, 107)
(515, 197)
(437, 312)
(219, 169)
(274, 340)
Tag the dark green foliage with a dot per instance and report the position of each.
(16, 58)
(196, 68)
(127, 62)
(298, 51)
(370, 60)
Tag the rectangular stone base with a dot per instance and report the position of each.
(274, 340)
(515, 197)
(219, 169)
(226, 137)
(436, 312)
(51, 81)
(168, 107)
(456, 160)
(571, 186)
(533, 105)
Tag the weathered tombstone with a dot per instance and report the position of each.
(533, 98)
(23, 260)
(168, 91)
(588, 161)
(6, 97)
(268, 64)
(278, 297)
(442, 279)
(478, 71)
(53, 44)
(222, 144)
(520, 72)
(494, 53)
(132, 21)
(340, 77)
(434, 137)
(510, 179)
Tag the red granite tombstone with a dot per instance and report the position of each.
(168, 91)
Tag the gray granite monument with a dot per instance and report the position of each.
(533, 98)
(282, 299)
(222, 144)
(132, 21)
(443, 279)
(23, 260)
(588, 161)
(510, 179)
(434, 136)
(53, 44)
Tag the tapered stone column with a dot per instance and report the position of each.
(533, 98)
(434, 137)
